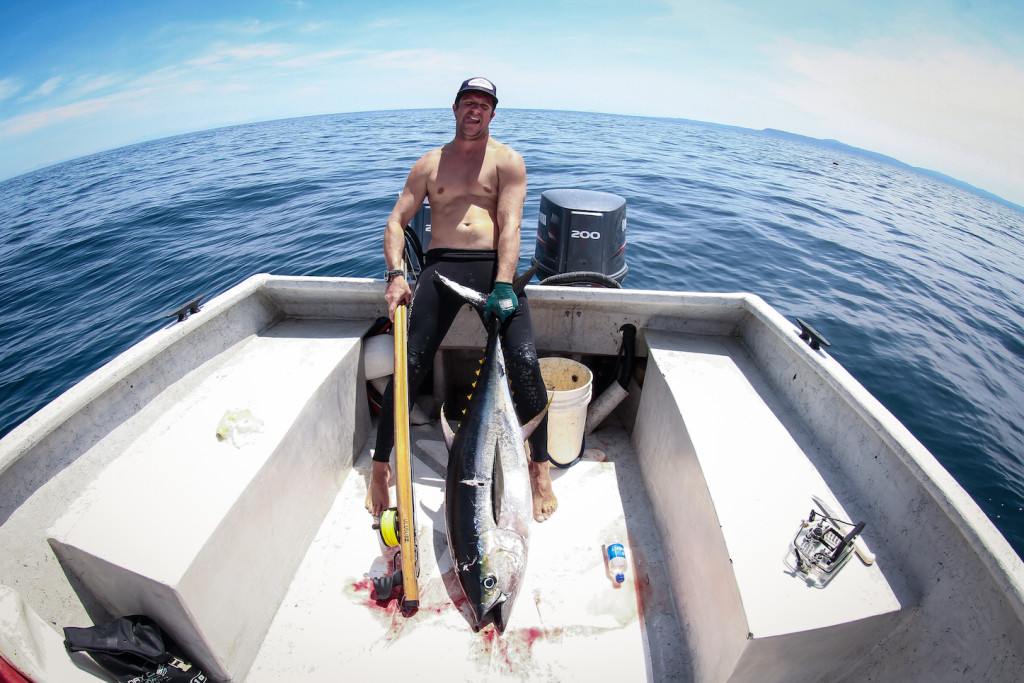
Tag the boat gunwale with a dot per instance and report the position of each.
(987, 542)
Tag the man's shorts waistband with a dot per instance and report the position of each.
(460, 255)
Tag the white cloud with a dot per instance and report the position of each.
(88, 84)
(929, 102)
(47, 88)
(388, 23)
(190, 88)
(247, 27)
(242, 53)
(316, 59)
(413, 60)
(935, 85)
(44, 89)
(162, 76)
(934, 103)
(8, 87)
(29, 123)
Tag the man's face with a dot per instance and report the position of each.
(473, 113)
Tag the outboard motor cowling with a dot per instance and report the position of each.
(581, 230)
(420, 223)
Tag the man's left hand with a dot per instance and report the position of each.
(502, 302)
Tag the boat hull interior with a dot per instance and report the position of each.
(214, 478)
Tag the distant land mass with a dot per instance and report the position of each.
(841, 147)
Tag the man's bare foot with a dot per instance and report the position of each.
(544, 502)
(378, 497)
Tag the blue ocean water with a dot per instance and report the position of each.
(917, 283)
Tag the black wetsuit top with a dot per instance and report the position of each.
(433, 311)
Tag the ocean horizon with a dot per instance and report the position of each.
(916, 279)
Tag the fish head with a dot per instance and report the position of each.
(492, 584)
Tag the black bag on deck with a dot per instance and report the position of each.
(134, 650)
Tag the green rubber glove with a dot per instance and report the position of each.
(502, 302)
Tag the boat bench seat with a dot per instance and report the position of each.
(204, 534)
(731, 471)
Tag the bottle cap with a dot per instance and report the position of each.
(619, 578)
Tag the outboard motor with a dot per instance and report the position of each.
(417, 234)
(581, 231)
(420, 223)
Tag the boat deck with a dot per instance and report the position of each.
(737, 426)
(570, 621)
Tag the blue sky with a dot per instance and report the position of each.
(934, 83)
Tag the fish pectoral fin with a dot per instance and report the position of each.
(497, 487)
(530, 426)
(449, 435)
(477, 299)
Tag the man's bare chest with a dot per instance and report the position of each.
(464, 176)
(478, 182)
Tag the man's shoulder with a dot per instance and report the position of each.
(429, 160)
(503, 153)
(433, 155)
(499, 146)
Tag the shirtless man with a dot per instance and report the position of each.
(476, 187)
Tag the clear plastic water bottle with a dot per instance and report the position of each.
(617, 561)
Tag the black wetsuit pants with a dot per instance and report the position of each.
(433, 311)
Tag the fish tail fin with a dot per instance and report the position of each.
(520, 282)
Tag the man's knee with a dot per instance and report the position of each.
(418, 363)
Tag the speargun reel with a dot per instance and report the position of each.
(388, 527)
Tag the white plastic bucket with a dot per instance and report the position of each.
(569, 387)
(379, 356)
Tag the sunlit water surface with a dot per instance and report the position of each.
(917, 284)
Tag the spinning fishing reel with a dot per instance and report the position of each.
(823, 545)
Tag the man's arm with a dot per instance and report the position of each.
(408, 203)
(511, 195)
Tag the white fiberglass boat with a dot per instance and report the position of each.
(255, 553)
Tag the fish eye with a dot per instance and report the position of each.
(490, 582)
